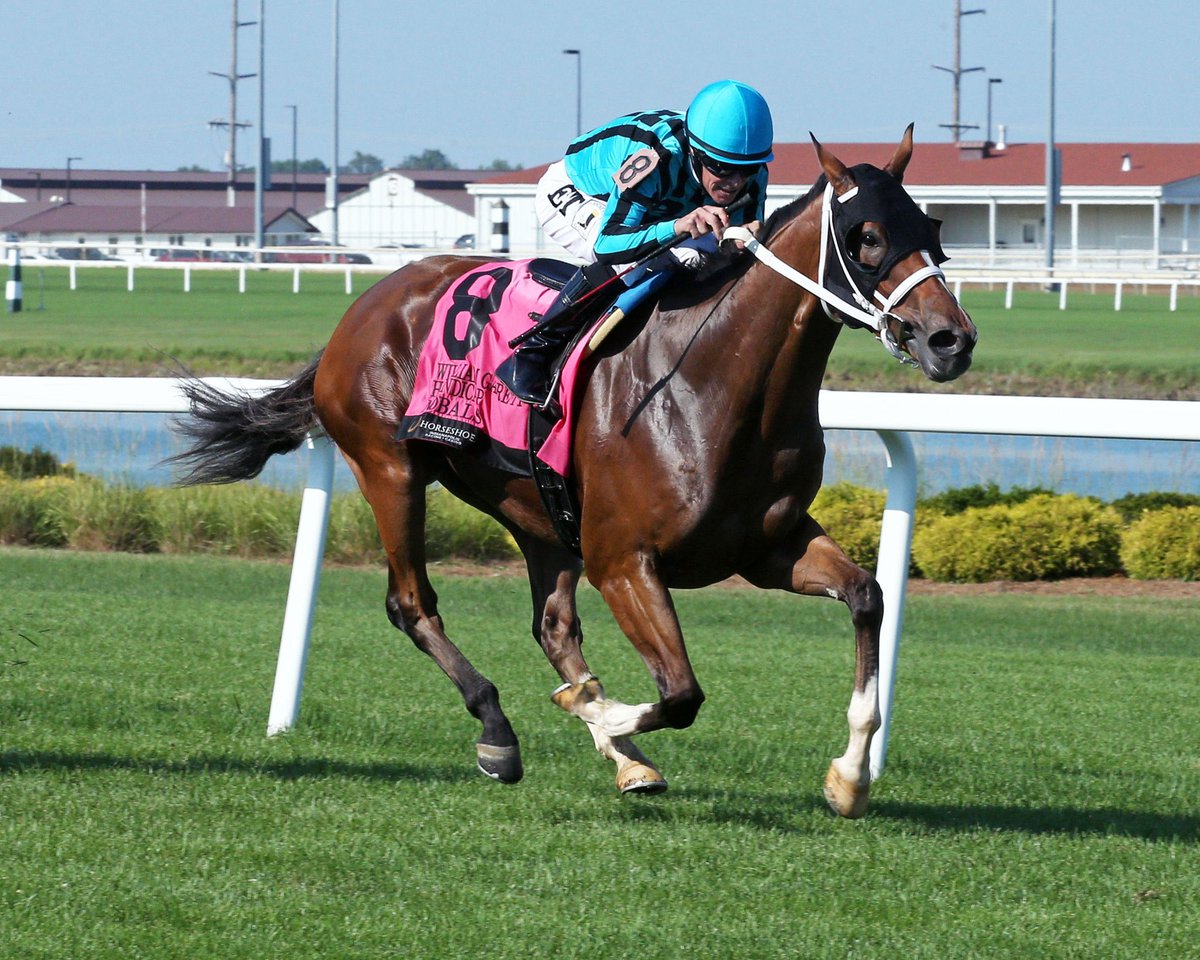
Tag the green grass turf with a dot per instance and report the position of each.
(1040, 799)
(1090, 348)
(102, 328)
(213, 327)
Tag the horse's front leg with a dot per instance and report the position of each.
(643, 609)
(553, 578)
(813, 565)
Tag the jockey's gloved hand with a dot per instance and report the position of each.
(688, 258)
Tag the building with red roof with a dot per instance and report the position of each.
(1122, 205)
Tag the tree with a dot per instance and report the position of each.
(429, 160)
(362, 163)
(303, 166)
(194, 168)
(503, 166)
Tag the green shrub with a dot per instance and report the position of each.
(1133, 505)
(1043, 538)
(1163, 545)
(852, 516)
(454, 529)
(93, 516)
(21, 465)
(242, 520)
(31, 511)
(353, 536)
(956, 500)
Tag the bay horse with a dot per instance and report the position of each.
(697, 454)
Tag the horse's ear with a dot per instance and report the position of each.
(903, 154)
(835, 170)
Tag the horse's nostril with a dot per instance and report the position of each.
(946, 343)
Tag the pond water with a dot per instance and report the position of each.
(130, 448)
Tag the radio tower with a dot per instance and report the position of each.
(231, 124)
(957, 127)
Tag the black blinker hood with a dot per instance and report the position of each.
(882, 199)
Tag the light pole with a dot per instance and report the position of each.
(991, 80)
(331, 197)
(292, 107)
(68, 192)
(1051, 167)
(578, 55)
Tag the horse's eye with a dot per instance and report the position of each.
(870, 239)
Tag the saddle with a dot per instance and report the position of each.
(459, 402)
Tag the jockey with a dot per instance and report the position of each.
(628, 187)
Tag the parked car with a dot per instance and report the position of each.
(316, 255)
(181, 254)
(80, 253)
(465, 242)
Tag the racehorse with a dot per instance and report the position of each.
(697, 453)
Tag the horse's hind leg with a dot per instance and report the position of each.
(813, 565)
(553, 578)
(395, 488)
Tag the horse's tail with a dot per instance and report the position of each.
(233, 435)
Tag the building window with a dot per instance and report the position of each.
(1029, 232)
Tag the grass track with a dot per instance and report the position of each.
(101, 328)
(1040, 799)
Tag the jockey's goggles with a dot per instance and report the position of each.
(723, 170)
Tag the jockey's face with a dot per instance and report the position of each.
(723, 183)
(724, 190)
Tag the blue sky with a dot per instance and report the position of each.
(125, 84)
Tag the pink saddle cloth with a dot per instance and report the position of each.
(458, 400)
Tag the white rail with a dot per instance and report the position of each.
(891, 416)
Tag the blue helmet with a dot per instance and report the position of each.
(730, 122)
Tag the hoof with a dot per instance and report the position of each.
(846, 798)
(500, 763)
(572, 696)
(640, 778)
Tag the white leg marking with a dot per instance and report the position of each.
(864, 720)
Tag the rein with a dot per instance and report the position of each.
(866, 313)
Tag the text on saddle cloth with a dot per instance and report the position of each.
(457, 398)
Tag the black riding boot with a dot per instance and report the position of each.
(527, 372)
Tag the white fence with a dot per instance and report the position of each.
(385, 260)
(891, 416)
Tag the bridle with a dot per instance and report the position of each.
(864, 312)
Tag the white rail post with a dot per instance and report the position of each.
(302, 590)
(187, 279)
(296, 280)
(1174, 296)
(241, 279)
(1117, 297)
(1062, 295)
(71, 272)
(349, 283)
(895, 547)
(129, 279)
(1008, 294)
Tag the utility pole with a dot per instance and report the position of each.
(331, 186)
(957, 127)
(232, 122)
(1052, 167)
(260, 168)
(578, 55)
(293, 108)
